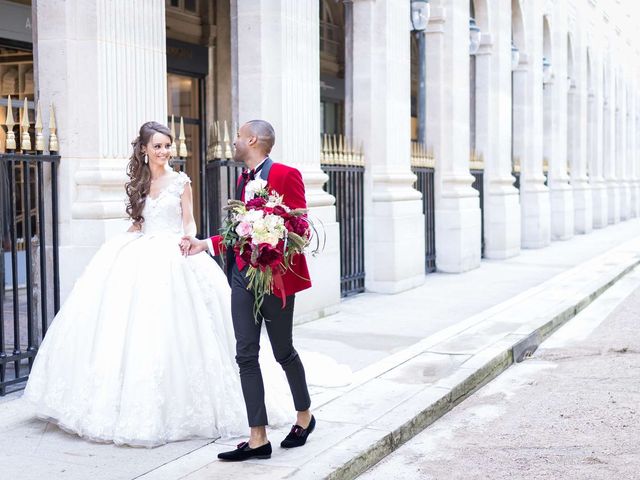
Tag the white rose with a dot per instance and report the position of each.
(254, 186)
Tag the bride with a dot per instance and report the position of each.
(142, 352)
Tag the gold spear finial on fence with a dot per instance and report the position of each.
(174, 149)
(212, 142)
(227, 146)
(39, 136)
(53, 138)
(333, 145)
(182, 138)
(25, 141)
(349, 159)
(323, 151)
(217, 152)
(10, 123)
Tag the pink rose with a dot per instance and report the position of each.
(244, 229)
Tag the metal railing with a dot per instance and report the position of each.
(30, 294)
(476, 167)
(423, 166)
(345, 167)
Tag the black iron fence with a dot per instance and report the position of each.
(345, 167)
(29, 260)
(423, 166)
(221, 176)
(477, 170)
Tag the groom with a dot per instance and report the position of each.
(253, 144)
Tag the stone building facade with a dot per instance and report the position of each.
(542, 98)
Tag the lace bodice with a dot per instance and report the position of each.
(163, 214)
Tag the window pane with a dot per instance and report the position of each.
(191, 5)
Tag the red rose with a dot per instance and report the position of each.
(246, 251)
(280, 211)
(255, 203)
(297, 225)
(269, 256)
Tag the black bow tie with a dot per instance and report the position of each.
(248, 175)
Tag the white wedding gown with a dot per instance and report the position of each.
(143, 352)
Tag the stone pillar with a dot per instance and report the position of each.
(458, 242)
(493, 127)
(278, 80)
(556, 133)
(635, 147)
(595, 149)
(621, 147)
(578, 149)
(631, 144)
(534, 195)
(103, 66)
(609, 160)
(394, 222)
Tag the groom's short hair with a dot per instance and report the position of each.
(264, 132)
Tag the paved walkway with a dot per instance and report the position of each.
(414, 356)
(569, 412)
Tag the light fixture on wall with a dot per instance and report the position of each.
(420, 13)
(474, 36)
(547, 72)
(515, 56)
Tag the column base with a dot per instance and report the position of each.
(599, 201)
(394, 233)
(501, 221)
(583, 204)
(633, 199)
(624, 200)
(561, 206)
(458, 242)
(613, 202)
(536, 215)
(323, 298)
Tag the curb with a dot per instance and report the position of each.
(516, 350)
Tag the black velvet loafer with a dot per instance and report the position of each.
(298, 435)
(244, 452)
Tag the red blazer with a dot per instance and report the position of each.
(286, 181)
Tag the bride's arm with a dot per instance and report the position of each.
(188, 222)
(135, 227)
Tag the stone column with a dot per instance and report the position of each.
(103, 66)
(578, 149)
(621, 147)
(534, 195)
(556, 148)
(493, 129)
(631, 156)
(596, 150)
(458, 242)
(609, 160)
(394, 222)
(278, 80)
(636, 145)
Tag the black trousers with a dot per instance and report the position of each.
(279, 324)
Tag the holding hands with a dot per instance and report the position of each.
(191, 245)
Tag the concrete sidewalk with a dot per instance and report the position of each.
(414, 355)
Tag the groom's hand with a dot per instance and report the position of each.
(192, 246)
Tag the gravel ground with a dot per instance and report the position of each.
(572, 411)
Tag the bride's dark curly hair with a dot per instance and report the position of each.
(138, 172)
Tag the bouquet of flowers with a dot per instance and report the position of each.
(265, 234)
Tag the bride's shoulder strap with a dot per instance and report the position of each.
(181, 180)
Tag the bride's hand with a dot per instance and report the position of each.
(191, 245)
